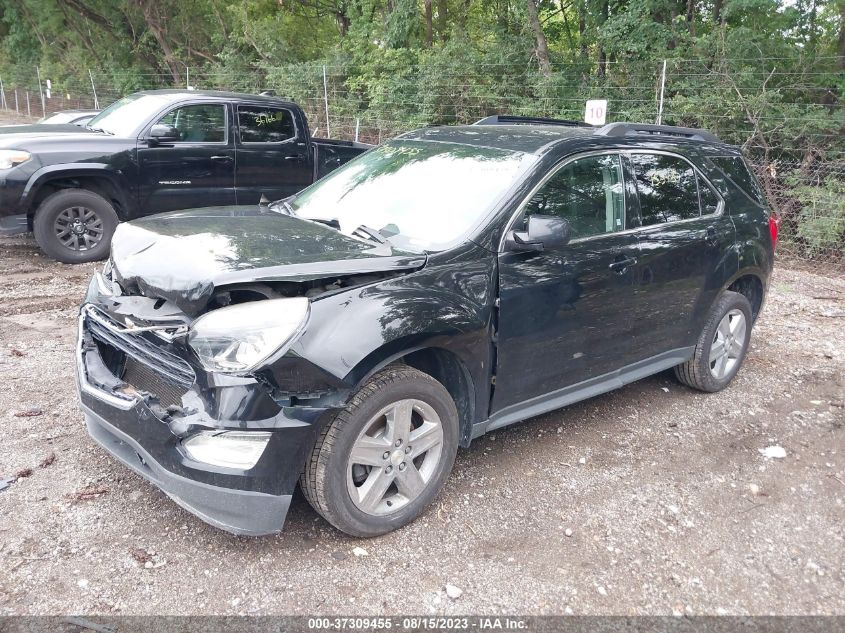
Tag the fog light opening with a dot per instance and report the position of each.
(229, 449)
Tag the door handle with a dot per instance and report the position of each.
(222, 159)
(295, 157)
(621, 265)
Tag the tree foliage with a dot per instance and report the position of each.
(766, 74)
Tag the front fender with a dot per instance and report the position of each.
(69, 171)
(352, 334)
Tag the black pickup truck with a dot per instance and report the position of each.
(154, 151)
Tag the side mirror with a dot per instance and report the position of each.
(544, 231)
(160, 133)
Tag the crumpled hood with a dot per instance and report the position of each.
(184, 255)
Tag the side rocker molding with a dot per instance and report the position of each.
(582, 390)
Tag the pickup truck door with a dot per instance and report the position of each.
(273, 153)
(197, 170)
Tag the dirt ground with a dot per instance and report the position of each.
(653, 499)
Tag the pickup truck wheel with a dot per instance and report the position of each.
(75, 226)
(384, 457)
(722, 346)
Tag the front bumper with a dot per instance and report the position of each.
(244, 512)
(133, 427)
(13, 225)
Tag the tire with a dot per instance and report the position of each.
(714, 374)
(336, 488)
(90, 214)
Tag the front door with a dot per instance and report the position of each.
(565, 314)
(197, 170)
(273, 158)
(685, 247)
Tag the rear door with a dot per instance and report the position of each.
(273, 155)
(198, 170)
(686, 241)
(565, 313)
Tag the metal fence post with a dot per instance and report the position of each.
(94, 90)
(662, 87)
(28, 107)
(17, 109)
(3, 96)
(41, 90)
(326, 99)
(357, 126)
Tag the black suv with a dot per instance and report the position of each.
(154, 151)
(452, 281)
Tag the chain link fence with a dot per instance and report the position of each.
(788, 119)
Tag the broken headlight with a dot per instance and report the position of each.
(241, 337)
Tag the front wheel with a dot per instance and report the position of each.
(385, 456)
(722, 346)
(75, 226)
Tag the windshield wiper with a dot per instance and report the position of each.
(284, 202)
(99, 129)
(371, 233)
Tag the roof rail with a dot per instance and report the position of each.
(628, 129)
(509, 119)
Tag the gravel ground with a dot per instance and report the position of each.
(653, 499)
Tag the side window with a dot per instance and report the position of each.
(204, 123)
(737, 170)
(265, 125)
(588, 192)
(667, 188)
(709, 198)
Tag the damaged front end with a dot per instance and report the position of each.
(228, 447)
(219, 446)
(185, 367)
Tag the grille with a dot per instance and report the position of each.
(168, 367)
(144, 378)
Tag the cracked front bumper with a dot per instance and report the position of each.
(133, 427)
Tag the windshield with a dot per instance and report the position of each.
(422, 196)
(124, 116)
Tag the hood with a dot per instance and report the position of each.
(183, 256)
(39, 130)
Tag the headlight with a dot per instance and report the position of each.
(231, 449)
(241, 337)
(11, 157)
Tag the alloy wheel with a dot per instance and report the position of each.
(395, 457)
(78, 228)
(728, 343)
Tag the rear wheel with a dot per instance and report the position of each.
(75, 226)
(386, 456)
(722, 346)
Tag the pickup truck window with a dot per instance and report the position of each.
(265, 125)
(422, 196)
(124, 116)
(201, 123)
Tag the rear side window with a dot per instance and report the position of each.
(588, 192)
(265, 125)
(667, 188)
(737, 170)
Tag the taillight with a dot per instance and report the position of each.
(774, 226)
